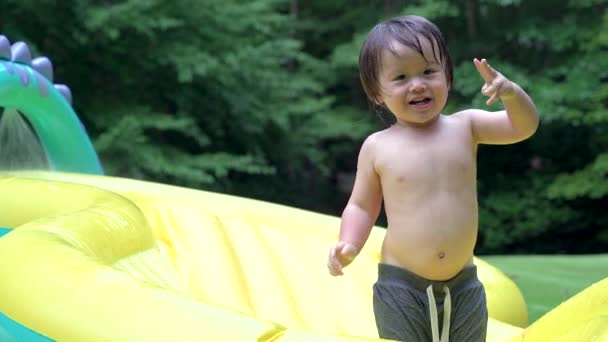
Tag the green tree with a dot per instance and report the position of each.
(262, 98)
(214, 94)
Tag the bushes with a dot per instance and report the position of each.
(262, 99)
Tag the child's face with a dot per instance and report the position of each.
(413, 87)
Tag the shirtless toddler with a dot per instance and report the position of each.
(424, 168)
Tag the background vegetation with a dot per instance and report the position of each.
(261, 98)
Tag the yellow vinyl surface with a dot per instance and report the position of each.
(97, 258)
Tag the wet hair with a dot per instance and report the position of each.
(406, 30)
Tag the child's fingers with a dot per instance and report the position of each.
(333, 264)
(488, 70)
(492, 99)
(334, 267)
(496, 84)
(477, 64)
(478, 67)
(488, 89)
(484, 69)
(495, 90)
(340, 256)
(333, 255)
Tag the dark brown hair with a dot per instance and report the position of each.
(406, 30)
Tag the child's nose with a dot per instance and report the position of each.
(417, 85)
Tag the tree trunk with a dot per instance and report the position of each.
(471, 18)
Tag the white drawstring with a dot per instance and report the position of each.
(447, 310)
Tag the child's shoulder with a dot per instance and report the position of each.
(374, 140)
(379, 136)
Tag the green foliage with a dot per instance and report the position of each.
(347, 55)
(262, 98)
(191, 92)
(129, 139)
(518, 217)
(209, 84)
(591, 181)
(433, 9)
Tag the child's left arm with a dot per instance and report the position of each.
(517, 122)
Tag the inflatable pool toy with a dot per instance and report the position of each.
(110, 259)
(87, 257)
(26, 85)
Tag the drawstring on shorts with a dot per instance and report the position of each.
(447, 310)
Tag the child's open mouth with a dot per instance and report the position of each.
(420, 101)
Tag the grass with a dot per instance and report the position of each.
(548, 280)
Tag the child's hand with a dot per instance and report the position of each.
(340, 256)
(496, 84)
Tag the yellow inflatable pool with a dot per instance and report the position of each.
(97, 258)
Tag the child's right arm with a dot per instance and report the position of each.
(360, 213)
(517, 122)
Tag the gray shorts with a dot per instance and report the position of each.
(410, 308)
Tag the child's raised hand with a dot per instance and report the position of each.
(340, 256)
(496, 84)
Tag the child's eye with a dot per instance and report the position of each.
(400, 77)
(428, 71)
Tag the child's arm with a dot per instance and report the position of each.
(517, 122)
(360, 213)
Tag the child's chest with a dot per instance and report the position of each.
(441, 158)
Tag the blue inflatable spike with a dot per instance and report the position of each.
(20, 52)
(51, 116)
(44, 66)
(5, 48)
(65, 91)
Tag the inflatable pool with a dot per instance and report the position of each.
(98, 258)
(88, 257)
(26, 87)
(108, 259)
